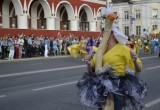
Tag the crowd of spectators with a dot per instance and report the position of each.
(149, 44)
(22, 46)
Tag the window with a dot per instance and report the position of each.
(126, 29)
(155, 27)
(138, 30)
(155, 13)
(138, 14)
(126, 15)
(115, 13)
(119, 1)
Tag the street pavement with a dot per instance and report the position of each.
(49, 84)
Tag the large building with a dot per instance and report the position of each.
(137, 15)
(71, 15)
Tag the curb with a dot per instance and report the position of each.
(36, 58)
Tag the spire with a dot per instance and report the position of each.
(76, 12)
(52, 8)
(94, 13)
(25, 6)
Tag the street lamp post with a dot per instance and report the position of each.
(1, 25)
(131, 17)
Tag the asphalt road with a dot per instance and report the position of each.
(49, 84)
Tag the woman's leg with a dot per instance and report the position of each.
(100, 106)
(60, 49)
(113, 103)
(159, 50)
(117, 103)
(3, 52)
(46, 51)
(10, 53)
(20, 51)
(54, 51)
(138, 50)
(82, 56)
(109, 105)
(64, 49)
(57, 51)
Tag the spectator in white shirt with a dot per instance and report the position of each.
(60, 41)
(11, 48)
(21, 43)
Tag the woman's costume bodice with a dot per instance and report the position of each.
(119, 59)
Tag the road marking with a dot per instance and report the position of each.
(42, 71)
(143, 58)
(57, 69)
(58, 85)
(152, 68)
(37, 58)
(150, 104)
(67, 78)
(2, 96)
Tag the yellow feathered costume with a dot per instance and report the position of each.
(77, 49)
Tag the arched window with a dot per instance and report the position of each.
(13, 17)
(83, 24)
(64, 19)
(64, 14)
(38, 11)
(41, 19)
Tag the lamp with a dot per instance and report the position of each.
(13, 25)
(65, 27)
(1, 25)
(42, 27)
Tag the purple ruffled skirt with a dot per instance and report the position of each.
(94, 90)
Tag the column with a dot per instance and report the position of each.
(120, 21)
(5, 21)
(1, 25)
(22, 21)
(99, 25)
(74, 25)
(148, 18)
(33, 23)
(51, 23)
(92, 26)
(57, 22)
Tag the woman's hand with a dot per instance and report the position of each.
(89, 66)
(133, 56)
(134, 59)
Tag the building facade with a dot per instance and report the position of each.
(137, 16)
(73, 15)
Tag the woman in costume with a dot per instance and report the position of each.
(83, 50)
(89, 46)
(112, 81)
(146, 47)
(131, 43)
(158, 46)
(137, 45)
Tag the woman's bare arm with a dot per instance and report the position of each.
(136, 64)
